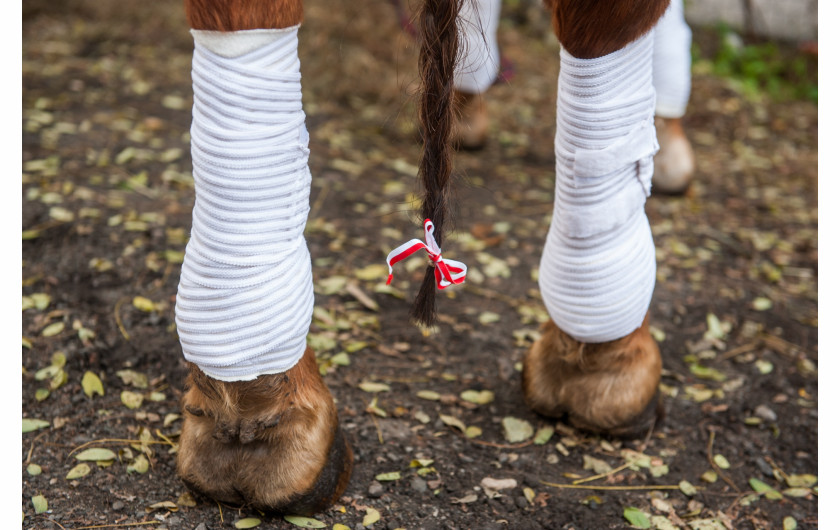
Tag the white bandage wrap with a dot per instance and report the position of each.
(598, 266)
(672, 62)
(245, 299)
(478, 59)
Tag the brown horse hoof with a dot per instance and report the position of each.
(673, 165)
(469, 131)
(273, 443)
(606, 388)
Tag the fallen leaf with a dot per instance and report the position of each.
(801, 481)
(721, 461)
(30, 424)
(33, 469)
(166, 505)
(479, 397)
(797, 492)
(372, 515)
(762, 304)
(687, 488)
(139, 465)
(47, 373)
(368, 386)
(135, 379)
(660, 522)
(53, 329)
(516, 430)
(374, 271)
(762, 488)
(186, 500)
(95, 454)
(78, 471)
(472, 497)
(91, 384)
(596, 464)
(543, 435)
(473, 432)
(41, 394)
(39, 502)
(431, 395)
(130, 399)
(492, 486)
(253, 522)
(452, 421)
(529, 494)
(388, 477)
(636, 517)
(488, 317)
(789, 523)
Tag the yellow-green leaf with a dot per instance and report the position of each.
(248, 522)
(721, 461)
(516, 430)
(543, 435)
(39, 502)
(33, 470)
(58, 359)
(78, 471)
(40, 300)
(479, 397)
(53, 329)
(139, 465)
(95, 454)
(431, 395)
(388, 477)
(91, 384)
(41, 394)
(130, 399)
(636, 517)
(371, 516)
(763, 488)
(30, 424)
(473, 431)
(375, 271)
(135, 379)
(369, 386)
(789, 523)
(801, 481)
(687, 488)
(47, 373)
(143, 304)
(304, 522)
(762, 304)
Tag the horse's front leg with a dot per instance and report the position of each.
(260, 426)
(596, 360)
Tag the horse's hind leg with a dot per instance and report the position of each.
(260, 426)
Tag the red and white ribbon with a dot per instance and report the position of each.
(447, 271)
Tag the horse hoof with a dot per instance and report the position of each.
(673, 165)
(272, 443)
(469, 130)
(606, 388)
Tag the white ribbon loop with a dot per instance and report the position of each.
(447, 271)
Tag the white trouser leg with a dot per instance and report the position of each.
(598, 266)
(478, 60)
(245, 298)
(672, 62)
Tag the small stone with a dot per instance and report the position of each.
(419, 485)
(375, 490)
(393, 525)
(201, 526)
(766, 413)
(764, 467)
(522, 502)
(117, 506)
(174, 521)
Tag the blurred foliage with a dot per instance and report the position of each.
(781, 71)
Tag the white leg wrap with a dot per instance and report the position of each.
(478, 61)
(245, 299)
(672, 62)
(598, 266)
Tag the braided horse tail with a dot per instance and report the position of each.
(438, 34)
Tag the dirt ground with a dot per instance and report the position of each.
(107, 196)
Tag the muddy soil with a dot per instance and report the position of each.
(107, 196)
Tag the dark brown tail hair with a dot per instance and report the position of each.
(438, 30)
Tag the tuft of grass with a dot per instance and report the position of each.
(763, 67)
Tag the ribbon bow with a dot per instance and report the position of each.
(447, 271)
